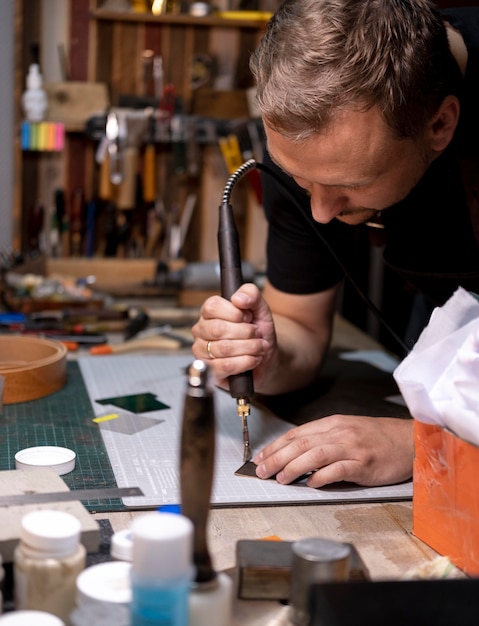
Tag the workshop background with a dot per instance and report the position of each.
(174, 85)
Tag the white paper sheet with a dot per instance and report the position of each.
(144, 448)
(439, 377)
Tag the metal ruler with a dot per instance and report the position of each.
(65, 496)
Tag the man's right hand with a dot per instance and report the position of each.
(236, 336)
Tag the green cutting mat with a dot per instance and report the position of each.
(63, 418)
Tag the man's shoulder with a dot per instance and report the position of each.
(466, 21)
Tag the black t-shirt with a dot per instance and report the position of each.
(430, 238)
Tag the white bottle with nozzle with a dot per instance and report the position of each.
(161, 569)
(34, 99)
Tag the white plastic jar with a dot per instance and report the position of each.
(121, 548)
(103, 595)
(30, 618)
(47, 561)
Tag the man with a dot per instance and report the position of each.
(370, 114)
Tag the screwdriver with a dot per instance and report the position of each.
(240, 385)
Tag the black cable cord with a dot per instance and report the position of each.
(250, 164)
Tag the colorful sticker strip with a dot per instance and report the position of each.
(43, 136)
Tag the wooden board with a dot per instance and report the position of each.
(13, 482)
(74, 102)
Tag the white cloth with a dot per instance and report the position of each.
(439, 379)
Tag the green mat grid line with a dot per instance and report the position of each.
(63, 418)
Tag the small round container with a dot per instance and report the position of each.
(103, 595)
(30, 618)
(121, 548)
(47, 561)
(315, 560)
(61, 460)
(33, 367)
(105, 583)
(200, 9)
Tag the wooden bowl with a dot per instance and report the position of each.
(32, 367)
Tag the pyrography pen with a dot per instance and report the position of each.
(241, 385)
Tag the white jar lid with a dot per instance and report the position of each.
(122, 545)
(54, 533)
(30, 618)
(162, 545)
(61, 460)
(200, 9)
(105, 582)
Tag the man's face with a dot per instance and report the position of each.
(353, 170)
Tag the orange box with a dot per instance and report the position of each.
(446, 495)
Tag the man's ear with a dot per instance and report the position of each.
(444, 123)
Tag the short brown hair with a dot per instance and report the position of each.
(319, 56)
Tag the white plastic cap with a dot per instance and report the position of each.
(53, 533)
(122, 545)
(105, 582)
(30, 618)
(34, 77)
(61, 460)
(162, 546)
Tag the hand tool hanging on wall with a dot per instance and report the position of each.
(112, 131)
(147, 66)
(77, 205)
(35, 225)
(149, 163)
(63, 221)
(105, 186)
(158, 78)
(125, 191)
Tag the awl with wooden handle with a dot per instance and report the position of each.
(197, 457)
(211, 592)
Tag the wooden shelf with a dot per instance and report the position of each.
(184, 19)
(107, 49)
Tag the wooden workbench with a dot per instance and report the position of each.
(381, 532)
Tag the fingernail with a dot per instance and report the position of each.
(261, 471)
(280, 477)
(242, 297)
(258, 458)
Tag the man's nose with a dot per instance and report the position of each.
(326, 203)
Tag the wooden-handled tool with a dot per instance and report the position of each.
(149, 164)
(197, 457)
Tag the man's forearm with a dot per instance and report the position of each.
(298, 357)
